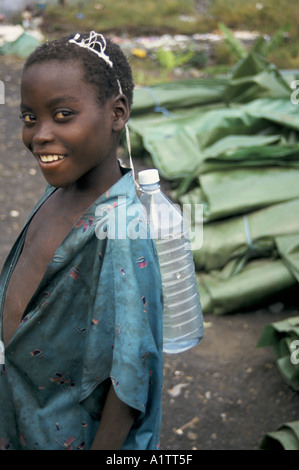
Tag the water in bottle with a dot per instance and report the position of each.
(182, 316)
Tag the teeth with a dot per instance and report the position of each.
(51, 158)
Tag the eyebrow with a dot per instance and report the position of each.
(55, 101)
(62, 98)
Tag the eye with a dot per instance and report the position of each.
(63, 115)
(27, 118)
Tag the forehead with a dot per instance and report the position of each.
(54, 77)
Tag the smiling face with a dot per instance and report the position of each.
(72, 136)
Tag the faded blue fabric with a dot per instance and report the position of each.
(96, 315)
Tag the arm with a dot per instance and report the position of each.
(115, 424)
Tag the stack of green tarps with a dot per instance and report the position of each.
(230, 147)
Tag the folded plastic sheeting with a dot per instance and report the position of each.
(185, 125)
(238, 191)
(167, 97)
(257, 282)
(285, 438)
(232, 153)
(234, 241)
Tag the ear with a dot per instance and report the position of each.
(121, 113)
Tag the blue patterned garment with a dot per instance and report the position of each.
(96, 317)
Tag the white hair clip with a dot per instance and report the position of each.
(91, 42)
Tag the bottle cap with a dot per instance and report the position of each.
(148, 176)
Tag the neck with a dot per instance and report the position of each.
(94, 183)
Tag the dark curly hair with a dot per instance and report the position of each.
(96, 70)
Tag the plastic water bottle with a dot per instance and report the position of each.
(182, 316)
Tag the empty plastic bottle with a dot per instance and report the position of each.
(182, 316)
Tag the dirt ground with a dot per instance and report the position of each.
(223, 394)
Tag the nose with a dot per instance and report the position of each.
(43, 133)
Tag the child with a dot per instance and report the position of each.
(81, 314)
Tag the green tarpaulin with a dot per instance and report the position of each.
(285, 438)
(257, 282)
